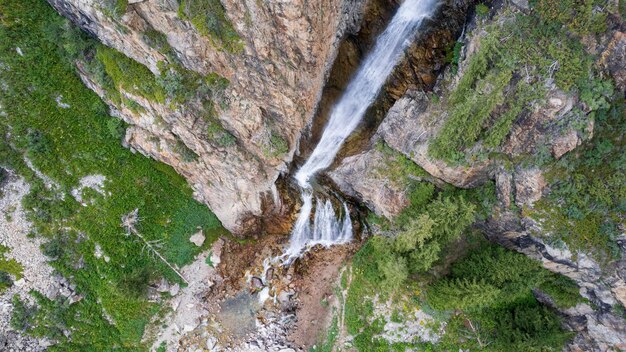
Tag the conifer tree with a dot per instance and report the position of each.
(462, 294)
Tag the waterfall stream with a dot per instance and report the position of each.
(327, 227)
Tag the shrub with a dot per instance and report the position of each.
(275, 145)
(482, 10)
(226, 140)
(23, 314)
(53, 248)
(173, 83)
(187, 155)
(37, 142)
(414, 235)
(158, 41)
(493, 289)
(462, 294)
(494, 88)
(394, 271)
(135, 282)
(5, 280)
(115, 128)
(114, 8)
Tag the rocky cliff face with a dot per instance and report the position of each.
(276, 68)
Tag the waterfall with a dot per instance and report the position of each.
(345, 116)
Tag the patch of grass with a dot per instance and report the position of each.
(114, 8)
(158, 41)
(68, 144)
(130, 75)
(186, 154)
(400, 170)
(215, 129)
(181, 84)
(209, 18)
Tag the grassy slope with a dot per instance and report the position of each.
(67, 144)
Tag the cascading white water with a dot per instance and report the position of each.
(327, 229)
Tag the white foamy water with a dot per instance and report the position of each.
(327, 228)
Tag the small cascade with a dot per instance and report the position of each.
(327, 228)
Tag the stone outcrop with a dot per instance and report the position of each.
(613, 58)
(362, 176)
(275, 82)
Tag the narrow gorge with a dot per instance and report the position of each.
(329, 175)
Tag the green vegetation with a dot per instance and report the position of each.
(509, 72)
(400, 170)
(424, 233)
(587, 202)
(209, 18)
(486, 301)
(130, 75)
(482, 10)
(183, 85)
(113, 71)
(331, 336)
(114, 8)
(491, 291)
(275, 145)
(10, 269)
(453, 56)
(215, 129)
(186, 154)
(67, 144)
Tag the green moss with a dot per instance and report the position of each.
(209, 18)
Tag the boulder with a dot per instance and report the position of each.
(197, 239)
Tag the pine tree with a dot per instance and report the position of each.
(415, 234)
(394, 271)
(451, 216)
(465, 294)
